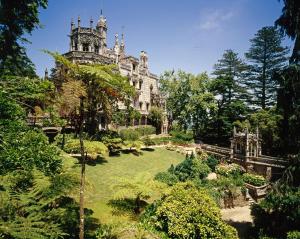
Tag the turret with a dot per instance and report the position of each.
(122, 46)
(91, 23)
(46, 74)
(144, 59)
(78, 21)
(102, 29)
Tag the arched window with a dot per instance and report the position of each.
(151, 88)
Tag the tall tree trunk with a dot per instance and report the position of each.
(82, 176)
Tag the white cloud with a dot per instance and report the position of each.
(213, 20)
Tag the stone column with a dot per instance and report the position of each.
(247, 146)
(146, 119)
(231, 149)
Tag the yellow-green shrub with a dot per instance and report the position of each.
(187, 212)
(93, 148)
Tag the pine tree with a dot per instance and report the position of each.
(265, 56)
(229, 70)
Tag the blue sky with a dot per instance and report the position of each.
(190, 35)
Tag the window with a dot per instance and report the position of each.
(133, 67)
(141, 105)
(96, 48)
(147, 106)
(76, 46)
(140, 84)
(85, 47)
(151, 88)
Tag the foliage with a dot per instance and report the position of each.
(93, 148)
(212, 162)
(288, 104)
(130, 134)
(17, 19)
(228, 169)
(182, 136)
(188, 99)
(145, 130)
(104, 85)
(186, 212)
(293, 235)
(254, 179)
(266, 56)
(289, 24)
(139, 188)
(267, 122)
(192, 168)
(147, 141)
(167, 177)
(156, 117)
(229, 89)
(282, 209)
(105, 232)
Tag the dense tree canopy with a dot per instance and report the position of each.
(17, 17)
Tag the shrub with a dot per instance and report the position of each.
(229, 169)
(93, 148)
(293, 235)
(183, 136)
(282, 209)
(186, 212)
(253, 179)
(130, 134)
(166, 177)
(191, 168)
(105, 232)
(147, 141)
(145, 130)
(212, 162)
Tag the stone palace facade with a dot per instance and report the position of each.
(89, 45)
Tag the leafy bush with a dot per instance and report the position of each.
(253, 179)
(105, 232)
(191, 168)
(93, 148)
(147, 141)
(229, 169)
(129, 134)
(293, 235)
(166, 177)
(186, 212)
(183, 136)
(145, 130)
(212, 162)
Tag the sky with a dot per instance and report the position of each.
(190, 35)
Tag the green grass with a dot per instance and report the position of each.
(101, 178)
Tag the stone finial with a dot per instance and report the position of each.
(91, 22)
(46, 74)
(234, 130)
(116, 39)
(72, 24)
(79, 21)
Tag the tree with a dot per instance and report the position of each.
(186, 212)
(105, 88)
(229, 69)
(265, 55)
(188, 100)
(289, 23)
(229, 89)
(156, 118)
(16, 19)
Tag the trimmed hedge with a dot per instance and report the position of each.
(253, 179)
(228, 169)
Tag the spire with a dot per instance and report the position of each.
(46, 74)
(116, 39)
(78, 21)
(91, 23)
(72, 25)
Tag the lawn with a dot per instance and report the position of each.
(101, 178)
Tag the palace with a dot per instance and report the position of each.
(89, 45)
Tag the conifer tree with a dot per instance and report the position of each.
(265, 55)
